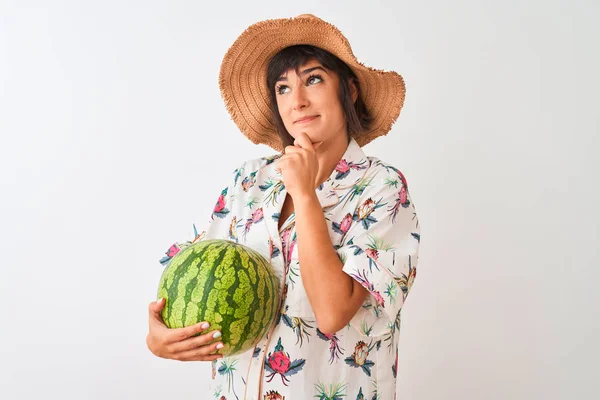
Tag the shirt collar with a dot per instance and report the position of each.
(349, 170)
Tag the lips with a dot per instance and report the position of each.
(305, 119)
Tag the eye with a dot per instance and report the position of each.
(281, 89)
(314, 79)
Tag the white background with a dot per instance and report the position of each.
(114, 140)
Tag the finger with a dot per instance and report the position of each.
(204, 353)
(154, 310)
(289, 162)
(194, 342)
(281, 163)
(157, 305)
(293, 149)
(317, 145)
(304, 141)
(181, 334)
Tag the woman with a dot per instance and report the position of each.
(339, 227)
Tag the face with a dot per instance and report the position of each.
(309, 102)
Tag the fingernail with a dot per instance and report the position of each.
(216, 335)
(205, 326)
(159, 301)
(220, 346)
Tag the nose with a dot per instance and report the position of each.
(300, 101)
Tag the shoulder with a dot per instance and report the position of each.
(256, 164)
(252, 168)
(386, 173)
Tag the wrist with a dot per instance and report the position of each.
(305, 200)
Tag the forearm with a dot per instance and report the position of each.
(328, 288)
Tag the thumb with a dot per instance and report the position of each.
(317, 145)
(156, 306)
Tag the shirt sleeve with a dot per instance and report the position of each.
(380, 251)
(219, 224)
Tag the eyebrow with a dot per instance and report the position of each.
(306, 71)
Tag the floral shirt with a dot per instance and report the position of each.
(375, 231)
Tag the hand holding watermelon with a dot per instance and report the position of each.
(180, 343)
(227, 284)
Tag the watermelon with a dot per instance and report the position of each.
(227, 284)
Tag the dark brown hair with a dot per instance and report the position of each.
(358, 119)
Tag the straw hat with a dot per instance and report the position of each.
(243, 76)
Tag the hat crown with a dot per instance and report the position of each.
(308, 16)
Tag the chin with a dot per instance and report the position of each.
(314, 137)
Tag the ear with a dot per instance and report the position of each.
(353, 91)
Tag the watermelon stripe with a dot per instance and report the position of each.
(200, 293)
(211, 272)
(230, 299)
(258, 304)
(181, 288)
(177, 271)
(261, 310)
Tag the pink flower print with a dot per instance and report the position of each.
(346, 222)
(403, 195)
(169, 254)
(401, 201)
(344, 226)
(257, 216)
(278, 363)
(378, 297)
(285, 238)
(174, 249)
(334, 345)
(342, 166)
(363, 280)
(291, 250)
(286, 235)
(373, 254)
(220, 211)
(220, 206)
(288, 245)
(402, 178)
